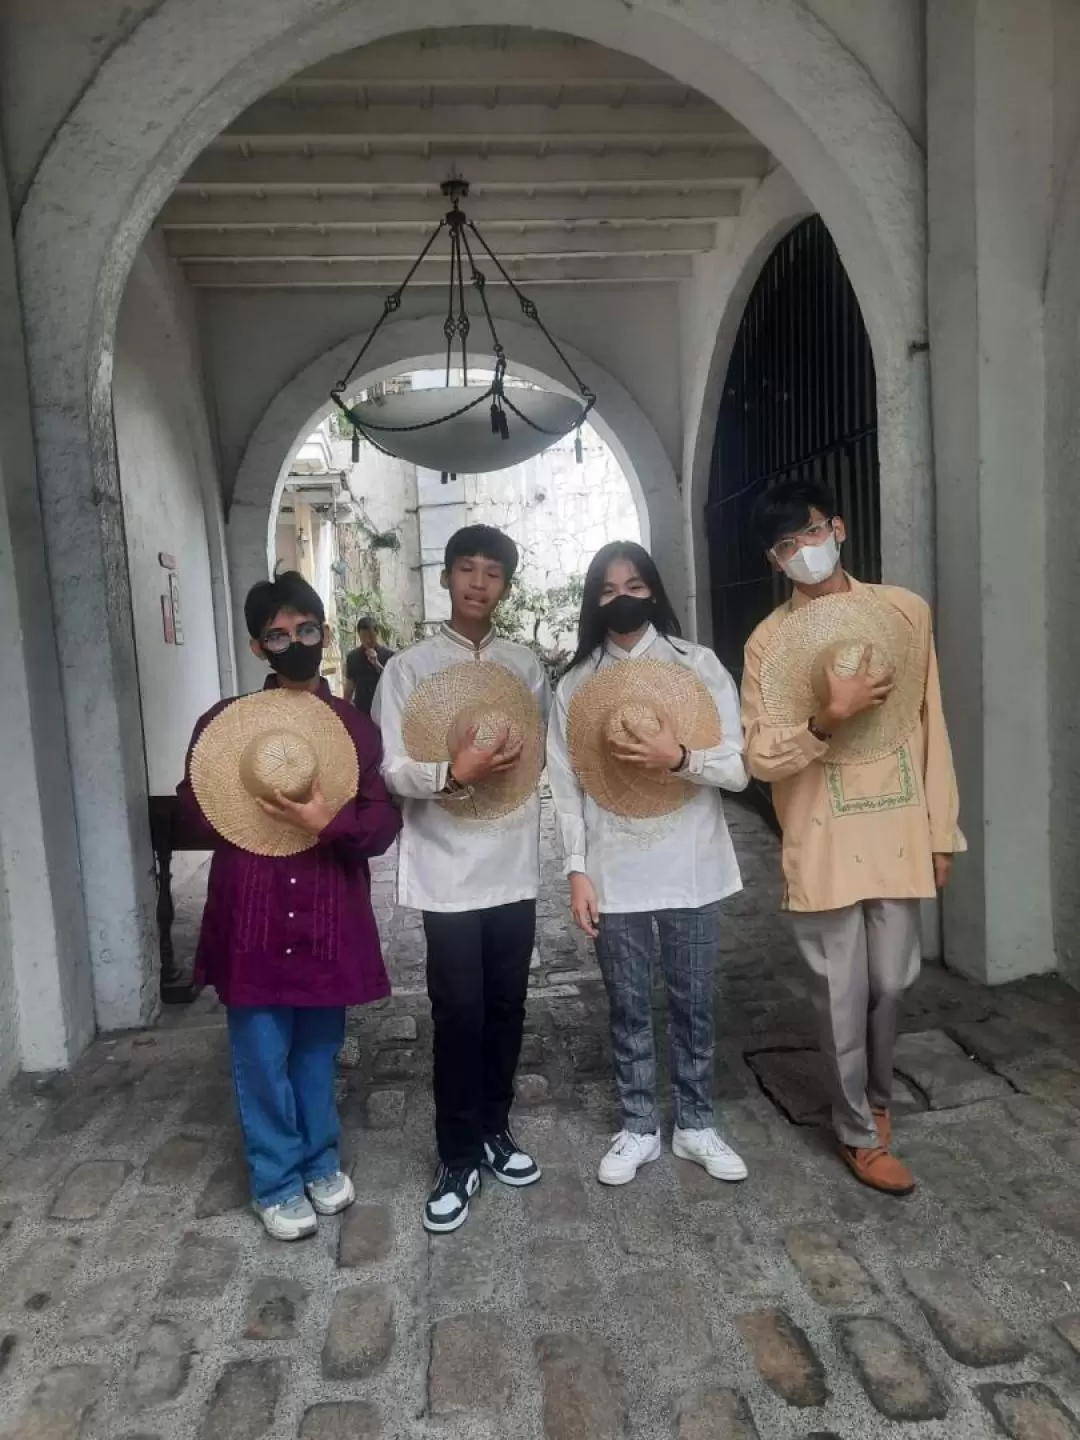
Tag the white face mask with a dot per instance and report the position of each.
(813, 564)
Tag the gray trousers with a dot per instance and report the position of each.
(689, 941)
(862, 958)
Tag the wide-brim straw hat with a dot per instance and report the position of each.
(835, 631)
(275, 742)
(443, 709)
(640, 692)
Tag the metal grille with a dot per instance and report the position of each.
(799, 401)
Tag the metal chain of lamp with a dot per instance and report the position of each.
(465, 429)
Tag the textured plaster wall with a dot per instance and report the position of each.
(168, 480)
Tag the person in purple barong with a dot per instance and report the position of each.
(284, 786)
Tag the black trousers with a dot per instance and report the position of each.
(477, 979)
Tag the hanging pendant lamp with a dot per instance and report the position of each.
(466, 429)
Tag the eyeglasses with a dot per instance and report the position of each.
(278, 641)
(791, 544)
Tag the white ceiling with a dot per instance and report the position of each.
(584, 165)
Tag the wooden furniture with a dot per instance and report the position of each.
(167, 836)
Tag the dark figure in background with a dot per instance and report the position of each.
(364, 665)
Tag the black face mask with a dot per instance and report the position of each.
(298, 663)
(627, 614)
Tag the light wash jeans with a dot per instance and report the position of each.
(284, 1060)
(689, 941)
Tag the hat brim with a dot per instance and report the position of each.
(215, 768)
(436, 705)
(627, 790)
(854, 620)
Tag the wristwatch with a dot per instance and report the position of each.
(684, 760)
(817, 734)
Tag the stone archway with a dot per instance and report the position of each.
(303, 402)
(179, 78)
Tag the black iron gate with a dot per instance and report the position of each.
(799, 401)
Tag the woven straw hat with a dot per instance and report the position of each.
(275, 741)
(834, 632)
(638, 693)
(443, 709)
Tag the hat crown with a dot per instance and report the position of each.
(635, 717)
(490, 723)
(279, 762)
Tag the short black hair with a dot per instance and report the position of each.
(784, 509)
(287, 591)
(484, 541)
(366, 622)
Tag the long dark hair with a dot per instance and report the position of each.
(592, 628)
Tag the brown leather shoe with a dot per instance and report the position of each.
(883, 1122)
(878, 1169)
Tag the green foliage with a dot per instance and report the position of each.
(528, 610)
(352, 604)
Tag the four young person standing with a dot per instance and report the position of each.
(841, 714)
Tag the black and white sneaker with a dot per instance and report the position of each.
(506, 1160)
(448, 1204)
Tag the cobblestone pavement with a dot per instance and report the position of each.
(139, 1298)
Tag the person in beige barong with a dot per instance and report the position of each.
(842, 713)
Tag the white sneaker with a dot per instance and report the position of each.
(331, 1194)
(705, 1148)
(627, 1155)
(291, 1220)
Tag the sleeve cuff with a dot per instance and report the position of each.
(810, 745)
(575, 865)
(695, 762)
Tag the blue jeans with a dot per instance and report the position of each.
(284, 1060)
(689, 941)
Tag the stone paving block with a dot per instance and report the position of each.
(143, 1229)
(784, 1356)
(894, 1375)
(714, 1414)
(244, 1400)
(643, 1215)
(829, 1268)
(59, 1404)
(470, 1366)
(1068, 1327)
(37, 1279)
(8, 1215)
(560, 1276)
(228, 1188)
(203, 1267)
(735, 1254)
(550, 1141)
(88, 1189)
(583, 1389)
(472, 1269)
(558, 1201)
(795, 1081)
(161, 1366)
(106, 1309)
(992, 1146)
(398, 1027)
(532, 1089)
(1030, 1411)
(366, 1236)
(9, 1343)
(787, 1188)
(968, 1327)
(1038, 1116)
(360, 1334)
(399, 1064)
(174, 1162)
(944, 1074)
(1059, 1084)
(1051, 1200)
(997, 1041)
(664, 1311)
(274, 1310)
(945, 1171)
(385, 1109)
(34, 1171)
(341, 1420)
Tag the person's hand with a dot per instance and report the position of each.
(851, 695)
(312, 815)
(942, 869)
(661, 751)
(584, 906)
(474, 763)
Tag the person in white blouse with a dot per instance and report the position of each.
(629, 877)
(475, 883)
